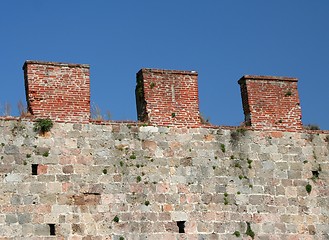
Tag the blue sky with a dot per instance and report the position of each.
(222, 40)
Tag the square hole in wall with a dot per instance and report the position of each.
(52, 231)
(35, 169)
(181, 226)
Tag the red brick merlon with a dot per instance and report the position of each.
(168, 97)
(271, 103)
(59, 91)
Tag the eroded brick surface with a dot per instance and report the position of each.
(58, 91)
(271, 102)
(168, 97)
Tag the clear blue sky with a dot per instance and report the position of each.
(222, 40)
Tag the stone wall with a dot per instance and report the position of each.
(129, 181)
(167, 177)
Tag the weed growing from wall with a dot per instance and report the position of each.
(43, 125)
(138, 178)
(116, 219)
(249, 163)
(45, 154)
(237, 135)
(237, 234)
(226, 199)
(288, 93)
(249, 231)
(308, 188)
(222, 147)
(311, 127)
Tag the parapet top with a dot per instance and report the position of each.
(165, 71)
(269, 78)
(60, 64)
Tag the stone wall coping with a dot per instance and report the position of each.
(166, 71)
(141, 124)
(267, 78)
(61, 64)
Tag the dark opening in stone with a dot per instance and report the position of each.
(315, 174)
(181, 226)
(35, 169)
(52, 229)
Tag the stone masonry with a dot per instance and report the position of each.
(86, 180)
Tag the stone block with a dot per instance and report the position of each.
(179, 216)
(24, 218)
(11, 149)
(11, 218)
(42, 230)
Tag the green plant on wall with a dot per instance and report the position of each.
(308, 188)
(226, 199)
(237, 234)
(311, 127)
(237, 134)
(249, 163)
(249, 231)
(116, 219)
(138, 178)
(45, 154)
(43, 125)
(222, 147)
(241, 130)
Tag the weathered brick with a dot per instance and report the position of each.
(58, 91)
(271, 102)
(162, 97)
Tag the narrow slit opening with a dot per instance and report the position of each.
(35, 169)
(52, 229)
(181, 226)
